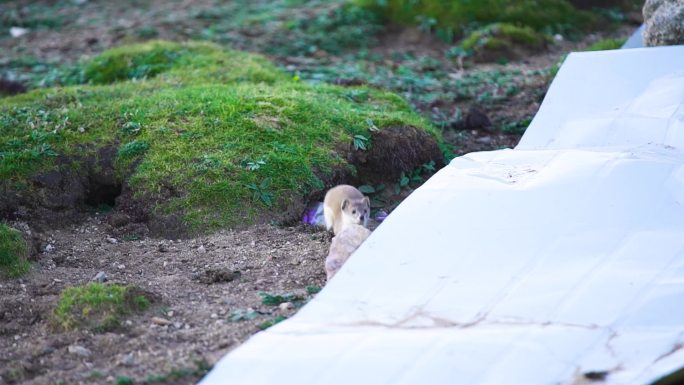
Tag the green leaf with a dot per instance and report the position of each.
(366, 189)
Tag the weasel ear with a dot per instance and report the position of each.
(344, 204)
(366, 200)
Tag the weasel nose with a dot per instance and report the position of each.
(361, 217)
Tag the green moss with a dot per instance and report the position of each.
(458, 16)
(606, 44)
(220, 136)
(500, 35)
(97, 307)
(187, 62)
(13, 252)
(502, 39)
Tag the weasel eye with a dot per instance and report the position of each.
(353, 211)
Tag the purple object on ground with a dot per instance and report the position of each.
(314, 214)
(381, 215)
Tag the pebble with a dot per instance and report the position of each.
(100, 277)
(160, 321)
(79, 350)
(49, 248)
(214, 315)
(128, 360)
(201, 249)
(178, 325)
(18, 31)
(484, 140)
(121, 267)
(285, 306)
(111, 240)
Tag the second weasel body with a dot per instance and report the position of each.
(345, 205)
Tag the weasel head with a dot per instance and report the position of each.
(356, 211)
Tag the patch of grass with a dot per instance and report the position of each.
(97, 306)
(331, 30)
(607, 44)
(201, 368)
(502, 39)
(452, 18)
(13, 252)
(190, 62)
(267, 324)
(428, 85)
(313, 289)
(276, 299)
(220, 136)
(124, 380)
(31, 15)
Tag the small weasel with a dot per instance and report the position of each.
(345, 205)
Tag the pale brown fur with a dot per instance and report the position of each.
(345, 205)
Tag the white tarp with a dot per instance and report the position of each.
(554, 263)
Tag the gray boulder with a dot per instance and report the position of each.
(342, 246)
(664, 22)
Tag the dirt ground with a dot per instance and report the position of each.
(196, 318)
(190, 320)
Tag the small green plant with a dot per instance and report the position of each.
(133, 148)
(243, 315)
(360, 142)
(201, 368)
(267, 324)
(452, 18)
(313, 289)
(606, 44)
(97, 306)
(260, 193)
(500, 41)
(276, 299)
(96, 375)
(13, 252)
(124, 380)
(415, 177)
(131, 128)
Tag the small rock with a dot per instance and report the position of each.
(100, 277)
(18, 31)
(169, 313)
(201, 249)
(663, 22)
(162, 248)
(128, 359)
(477, 118)
(121, 267)
(79, 350)
(286, 306)
(111, 240)
(178, 325)
(160, 321)
(218, 275)
(49, 248)
(129, 322)
(214, 315)
(484, 140)
(342, 246)
(558, 37)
